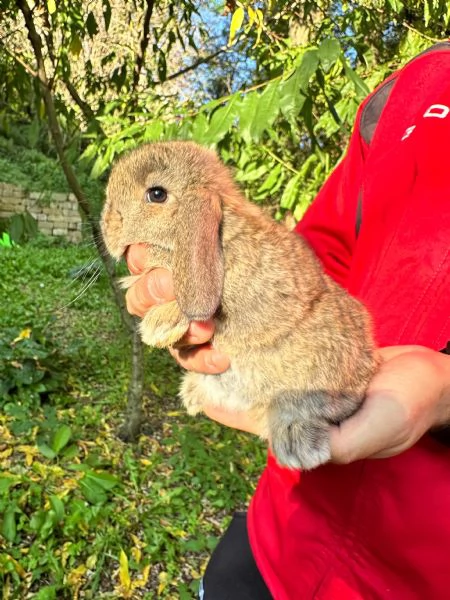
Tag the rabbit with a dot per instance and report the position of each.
(301, 348)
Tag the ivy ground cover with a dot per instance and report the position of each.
(82, 514)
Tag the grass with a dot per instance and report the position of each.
(83, 515)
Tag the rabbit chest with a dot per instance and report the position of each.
(240, 388)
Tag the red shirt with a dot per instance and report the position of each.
(376, 529)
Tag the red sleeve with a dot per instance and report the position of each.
(329, 225)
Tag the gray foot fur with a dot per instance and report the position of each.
(299, 426)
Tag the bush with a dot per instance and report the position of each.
(30, 366)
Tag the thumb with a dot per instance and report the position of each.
(369, 431)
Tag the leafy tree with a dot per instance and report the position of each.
(45, 75)
(274, 86)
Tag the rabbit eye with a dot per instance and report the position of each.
(156, 194)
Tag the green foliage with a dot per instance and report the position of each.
(18, 228)
(30, 168)
(82, 515)
(6, 241)
(286, 131)
(30, 367)
(73, 497)
(34, 171)
(306, 67)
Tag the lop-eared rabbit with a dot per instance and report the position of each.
(301, 347)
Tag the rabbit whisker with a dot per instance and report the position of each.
(92, 279)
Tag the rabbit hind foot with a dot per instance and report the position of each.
(299, 426)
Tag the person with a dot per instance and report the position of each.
(359, 528)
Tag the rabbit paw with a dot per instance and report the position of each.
(299, 445)
(163, 325)
(299, 424)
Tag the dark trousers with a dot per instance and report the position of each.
(232, 573)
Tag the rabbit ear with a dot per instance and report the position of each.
(198, 262)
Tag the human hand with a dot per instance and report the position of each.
(409, 395)
(156, 287)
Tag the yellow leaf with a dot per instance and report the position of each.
(24, 334)
(124, 573)
(5, 434)
(51, 5)
(91, 561)
(236, 23)
(137, 542)
(143, 578)
(137, 554)
(69, 485)
(155, 389)
(17, 566)
(27, 449)
(76, 576)
(30, 452)
(163, 580)
(5, 453)
(65, 553)
(6, 591)
(75, 46)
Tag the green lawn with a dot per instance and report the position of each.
(83, 515)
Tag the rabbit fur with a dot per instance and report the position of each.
(301, 348)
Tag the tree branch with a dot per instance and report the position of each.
(87, 111)
(69, 173)
(143, 44)
(21, 62)
(194, 65)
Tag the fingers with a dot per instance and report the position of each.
(236, 420)
(155, 287)
(199, 332)
(135, 256)
(376, 430)
(201, 359)
(402, 403)
(390, 352)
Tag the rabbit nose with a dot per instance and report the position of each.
(113, 232)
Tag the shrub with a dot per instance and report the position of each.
(31, 367)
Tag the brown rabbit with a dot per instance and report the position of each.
(301, 348)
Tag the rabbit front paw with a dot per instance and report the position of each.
(163, 325)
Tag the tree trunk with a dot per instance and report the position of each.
(131, 428)
(134, 410)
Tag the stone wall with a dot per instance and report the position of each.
(57, 214)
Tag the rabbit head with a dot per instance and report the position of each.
(167, 195)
